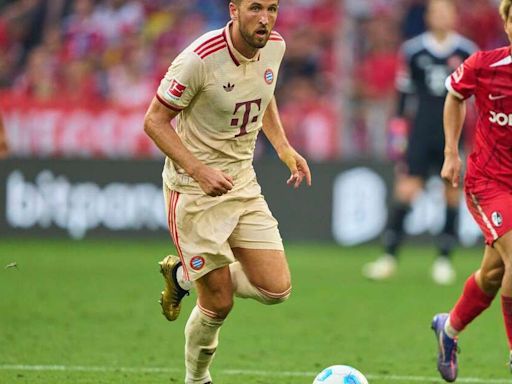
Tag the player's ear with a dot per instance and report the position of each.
(233, 11)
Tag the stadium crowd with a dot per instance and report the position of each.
(114, 53)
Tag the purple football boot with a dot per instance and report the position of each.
(447, 354)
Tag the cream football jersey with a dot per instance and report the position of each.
(221, 96)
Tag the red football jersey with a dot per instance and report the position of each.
(488, 76)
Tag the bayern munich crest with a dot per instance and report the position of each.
(269, 76)
(196, 263)
(496, 218)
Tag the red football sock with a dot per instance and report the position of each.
(506, 307)
(471, 303)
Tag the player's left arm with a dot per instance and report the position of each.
(273, 129)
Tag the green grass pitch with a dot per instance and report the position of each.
(87, 312)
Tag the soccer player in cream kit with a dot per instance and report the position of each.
(221, 91)
(487, 186)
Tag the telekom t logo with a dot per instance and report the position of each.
(247, 115)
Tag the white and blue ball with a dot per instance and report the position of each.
(340, 374)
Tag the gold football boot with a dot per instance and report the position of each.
(170, 300)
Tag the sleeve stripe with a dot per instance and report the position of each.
(214, 49)
(207, 42)
(206, 47)
(166, 104)
(449, 87)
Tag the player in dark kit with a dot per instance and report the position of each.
(487, 186)
(427, 60)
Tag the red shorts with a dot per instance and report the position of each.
(492, 210)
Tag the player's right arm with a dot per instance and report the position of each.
(461, 85)
(453, 120)
(157, 125)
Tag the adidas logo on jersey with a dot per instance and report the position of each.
(229, 87)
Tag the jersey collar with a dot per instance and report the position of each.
(236, 56)
(440, 49)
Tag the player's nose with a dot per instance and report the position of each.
(264, 18)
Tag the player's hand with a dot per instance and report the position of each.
(213, 181)
(451, 168)
(297, 165)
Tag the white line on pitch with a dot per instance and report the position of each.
(233, 372)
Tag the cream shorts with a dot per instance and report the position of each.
(205, 228)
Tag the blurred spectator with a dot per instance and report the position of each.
(39, 81)
(115, 19)
(310, 120)
(129, 80)
(374, 82)
(82, 36)
(481, 23)
(81, 84)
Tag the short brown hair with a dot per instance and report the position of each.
(505, 9)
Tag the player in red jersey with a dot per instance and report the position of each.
(487, 185)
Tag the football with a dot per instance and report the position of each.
(340, 374)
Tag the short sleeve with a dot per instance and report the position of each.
(183, 80)
(462, 82)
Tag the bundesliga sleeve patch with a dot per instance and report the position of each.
(175, 90)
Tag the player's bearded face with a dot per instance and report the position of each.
(256, 22)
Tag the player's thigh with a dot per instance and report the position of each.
(257, 244)
(256, 227)
(491, 208)
(418, 157)
(193, 224)
(265, 268)
(215, 292)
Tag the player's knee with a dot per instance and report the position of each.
(407, 190)
(271, 298)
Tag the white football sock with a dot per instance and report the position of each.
(201, 340)
(184, 284)
(449, 330)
